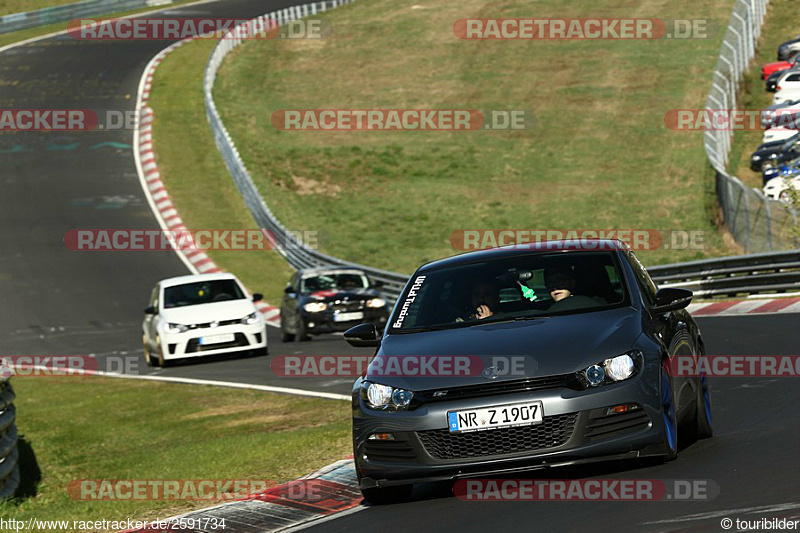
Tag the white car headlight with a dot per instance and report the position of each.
(380, 396)
(171, 327)
(252, 318)
(611, 370)
(315, 307)
(376, 302)
(620, 367)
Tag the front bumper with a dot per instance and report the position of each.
(325, 322)
(576, 429)
(187, 344)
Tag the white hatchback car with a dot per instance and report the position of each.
(206, 314)
(779, 189)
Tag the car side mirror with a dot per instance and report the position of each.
(289, 290)
(257, 296)
(362, 336)
(150, 310)
(671, 299)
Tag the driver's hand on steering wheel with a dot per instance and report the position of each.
(483, 311)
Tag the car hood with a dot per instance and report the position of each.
(550, 346)
(203, 313)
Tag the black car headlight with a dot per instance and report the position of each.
(379, 396)
(611, 370)
(252, 318)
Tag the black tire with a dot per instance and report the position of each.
(669, 415)
(161, 361)
(285, 335)
(147, 358)
(387, 495)
(702, 414)
(301, 335)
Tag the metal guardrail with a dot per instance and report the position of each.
(730, 276)
(756, 222)
(9, 453)
(89, 8)
(724, 276)
(296, 253)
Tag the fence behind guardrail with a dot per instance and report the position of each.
(756, 222)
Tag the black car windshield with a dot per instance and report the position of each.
(511, 288)
(202, 292)
(334, 281)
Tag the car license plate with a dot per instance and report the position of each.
(346, 317)
(217, 339)
(516, 414)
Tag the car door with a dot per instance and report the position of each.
(672, 329)
(289, 302)
(150, 320)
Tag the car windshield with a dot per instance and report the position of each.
(202, 292)
(329, 281)
(517, 288)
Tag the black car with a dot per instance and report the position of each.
(324, 300)
(774, 153)
(788, 49)
(576, 349)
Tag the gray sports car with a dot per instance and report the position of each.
(565, 352)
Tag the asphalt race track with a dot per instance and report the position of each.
(753, 458)
(61, 302)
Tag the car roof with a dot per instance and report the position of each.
(563, 246)
(330, 270)
(193, 278)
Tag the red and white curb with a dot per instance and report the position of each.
(746, 307)
(328, 491)
(197, 261)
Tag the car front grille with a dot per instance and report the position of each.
(601, 426)
(194, 345)
(492, 389)
(343, 306)
(554, 431)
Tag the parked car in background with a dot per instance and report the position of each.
(770, 116)
(201, 315)
(790, 169)
(778, 66)
(324, 300)
(777, 134)
(779, 189)
(788, 49)
(774, 153)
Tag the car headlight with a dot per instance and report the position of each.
(175, 328)
(380, 396)
(315, 307)
(251, 319)
(376, 302)
(611, 370)
(756, 158)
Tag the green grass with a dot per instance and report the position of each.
(194, 173)
(21, 6)
(21, 35)
(599, 155)
(107, 428)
